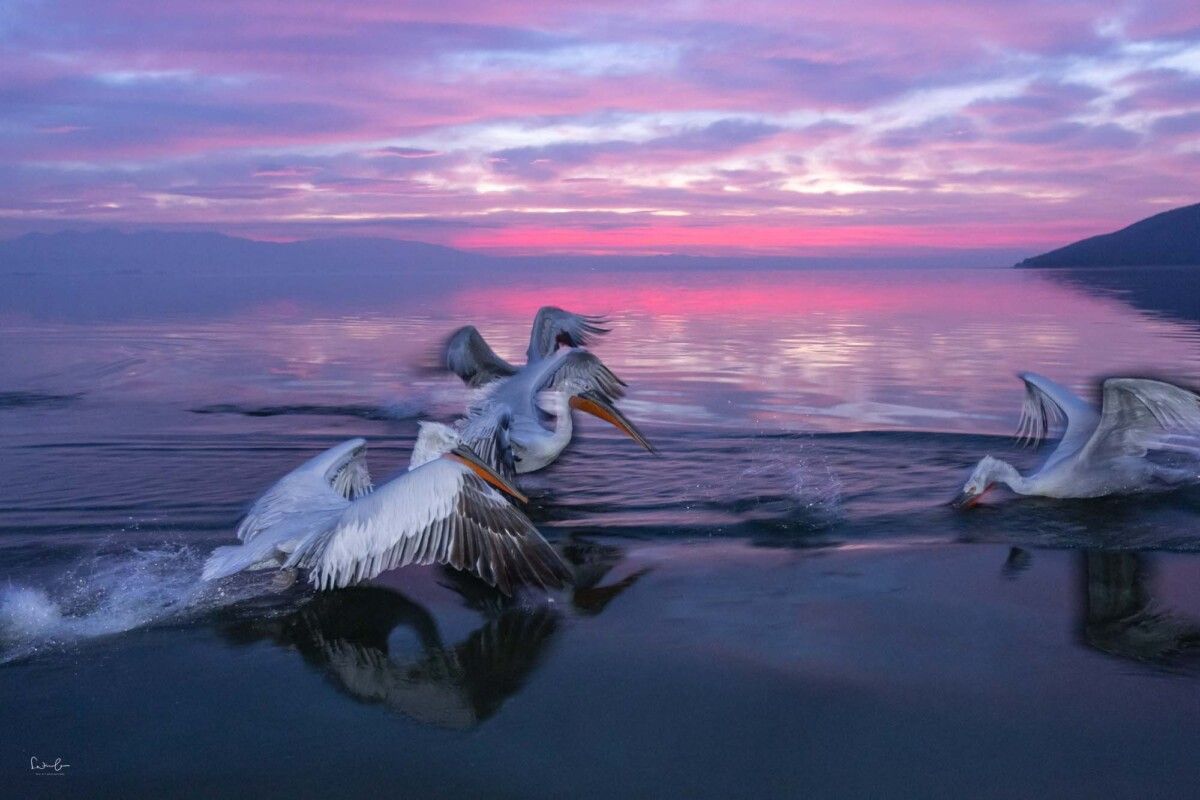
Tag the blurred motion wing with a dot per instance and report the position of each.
(553, 326)
(1048, 403)
(1139, 415)
(581, 372)
(486, 432)
(469, 357)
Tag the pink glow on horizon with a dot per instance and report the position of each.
(610, 126)
(928, 294)
(758, 239)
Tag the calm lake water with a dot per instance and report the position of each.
(779, 604)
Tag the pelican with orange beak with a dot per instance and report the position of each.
(1143, 436)
(520, 421)
(324, 519)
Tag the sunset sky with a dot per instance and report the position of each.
(744, 127)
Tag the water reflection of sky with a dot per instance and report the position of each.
(821, 350)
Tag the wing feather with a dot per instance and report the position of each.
(1048, 404)
(486, 432)
(309, 496)
(325, 481)
(1139, 415)
(1038, 414)
(552, 326)
(470, 357)
(580, 371)
(439, 513)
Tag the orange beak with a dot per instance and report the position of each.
(464, 456)
(964, 500)
(598, 407)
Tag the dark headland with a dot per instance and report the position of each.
(1169, 239)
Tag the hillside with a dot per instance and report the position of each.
(215, 253)
(1171, 238)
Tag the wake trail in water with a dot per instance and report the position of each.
(400, 410)
(36, 399)
(109, 594)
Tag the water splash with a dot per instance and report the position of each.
(815, 486)
(803, 490)
(781, 484)
(107, 594)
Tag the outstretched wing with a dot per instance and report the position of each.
(323, 482)
(469, 357)
(553, 326)
(1048, 403)
(1138, 415)
(307, 497)
(579, 372)
(439, 513)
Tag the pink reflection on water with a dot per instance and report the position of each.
(838, 350)
(818, 350)
(780, 293)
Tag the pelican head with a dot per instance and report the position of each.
(985, 475)
(557, 403)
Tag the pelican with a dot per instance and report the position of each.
(324, 518)
(1103, 451)
(553, 382)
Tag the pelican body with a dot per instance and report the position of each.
(1103, 450)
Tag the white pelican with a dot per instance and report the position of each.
(324, 518)
(552, 382)
(1103, 451)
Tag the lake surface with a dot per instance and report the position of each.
(779, 604)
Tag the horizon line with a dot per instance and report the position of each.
(819, 253)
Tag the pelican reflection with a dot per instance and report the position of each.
(1120, 615)
(353, 636)
(589, 562)
(348, 635)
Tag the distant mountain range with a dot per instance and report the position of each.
(190, 252)
(1171, 238)
(206, 253)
